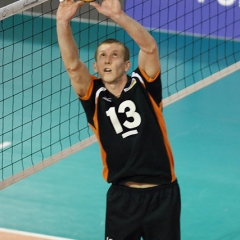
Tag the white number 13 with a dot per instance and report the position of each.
(131, 112)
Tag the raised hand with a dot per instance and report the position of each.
(109, 8)
(67, 9)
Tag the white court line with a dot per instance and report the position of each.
(42, 236)
(47, 162)
(201, 84)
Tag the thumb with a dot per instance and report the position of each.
(79, 3)
(94, 4)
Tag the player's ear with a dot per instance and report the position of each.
(127, 65)
(95, 67)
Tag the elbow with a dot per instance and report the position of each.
(73, 67)
(151, 47)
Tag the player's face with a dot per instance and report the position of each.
(110, 63)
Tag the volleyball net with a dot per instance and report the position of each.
(41, 119)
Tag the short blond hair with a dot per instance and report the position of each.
(110, 41)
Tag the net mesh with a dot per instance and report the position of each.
(40, 115)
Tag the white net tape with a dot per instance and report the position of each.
(18, 6)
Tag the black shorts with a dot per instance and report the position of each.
(151, 213)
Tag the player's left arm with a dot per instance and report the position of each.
(148, 59)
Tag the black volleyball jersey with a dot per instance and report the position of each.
(131, 130)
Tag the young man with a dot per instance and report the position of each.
(125, 113)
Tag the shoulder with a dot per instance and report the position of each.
(95, 84)
(143, 77)
(152, 85)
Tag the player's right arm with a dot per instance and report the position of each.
(76, 69)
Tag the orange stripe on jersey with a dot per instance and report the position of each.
(103, 153)
(95, 127)
(148, 79)
(90, 88)
(161, 122)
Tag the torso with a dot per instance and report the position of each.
(134, 145)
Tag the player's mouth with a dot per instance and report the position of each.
(107, 70)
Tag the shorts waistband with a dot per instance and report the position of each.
(149, 189)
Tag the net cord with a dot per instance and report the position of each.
(17, 7)
(47, 162)
(201, 84)
(87, 142)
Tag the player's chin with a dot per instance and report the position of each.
(107, 77)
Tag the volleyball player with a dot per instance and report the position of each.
(125, 113)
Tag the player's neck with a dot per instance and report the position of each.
(116, 87)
